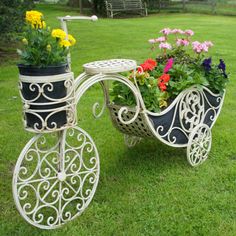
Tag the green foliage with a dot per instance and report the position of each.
(12, 17)
(185, 72)
(217, 80)
(122, 94)
(151, 94)
(98, 6)
(184, 76)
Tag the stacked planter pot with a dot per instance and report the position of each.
(48, 98)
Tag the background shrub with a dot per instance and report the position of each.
(12, 14)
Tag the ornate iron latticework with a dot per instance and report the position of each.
(57, 172)
(47, 99)
(56, 177)
(194, 106)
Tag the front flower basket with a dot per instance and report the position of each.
(193, 107)
(48, 98)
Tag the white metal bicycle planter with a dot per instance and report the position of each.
(57, 172)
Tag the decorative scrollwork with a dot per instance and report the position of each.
(55, 178)
(191, 109)
(131, 141)
(114, 77)
(194, 106)
(199, 145)
(48, 106)
(98, 110)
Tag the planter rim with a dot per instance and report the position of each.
(41, 67)
(45, 78)
(31, 70)
(194, 87)
(156, 114)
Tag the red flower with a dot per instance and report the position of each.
(162, 81)
(149, 65)
(151, 62)
(164, 78)
(162, 86)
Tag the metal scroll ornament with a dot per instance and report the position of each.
(48, 102)
(199, 145)
(56, 177)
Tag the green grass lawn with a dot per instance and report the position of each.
(149, 189)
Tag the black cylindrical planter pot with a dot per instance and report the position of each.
(53, 90)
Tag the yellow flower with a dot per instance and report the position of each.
(65, 43)
(49, 48)
(34, 18)
(163, 103)
(25, 41)
(58, 33)
(71, 39)
(39, 25)
(42, 25)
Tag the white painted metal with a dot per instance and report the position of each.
(138, 127)
(199, 144)
(114, 77)
(64, 20)
(131, 141)
(55, 178)
(109, 66)
(43, 85)
(69, 18)
(182, 108)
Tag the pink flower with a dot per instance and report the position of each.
(169, 65)
(199, 47)
(189, 32)
(177, 31)
(165, 46)
(157, 40)
(166, 31)
(195, 43)
(205, 47)
(152, 41)
(209, 44)
(182, 42)
(160, 39)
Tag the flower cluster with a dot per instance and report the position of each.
(41, 45)
(35, 19)
(148, 65)
(182, 66)
(64, 40)
(162, 82)
(182, 42)
(182, 39)
(201, 47)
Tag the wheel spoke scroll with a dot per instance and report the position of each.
(51, 189)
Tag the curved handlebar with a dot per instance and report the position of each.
(68, 18)
(64, 20)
